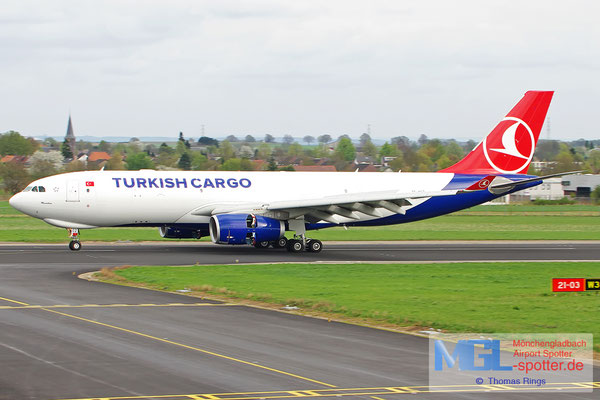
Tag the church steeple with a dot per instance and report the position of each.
(70, 137)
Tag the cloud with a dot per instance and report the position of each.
(306, 67)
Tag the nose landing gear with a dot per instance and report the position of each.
(74, 244)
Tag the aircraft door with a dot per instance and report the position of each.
(73, 191)
(88, 193)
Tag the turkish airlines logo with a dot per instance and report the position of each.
(484, 183)
(509, 148)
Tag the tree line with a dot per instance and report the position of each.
(245, 154)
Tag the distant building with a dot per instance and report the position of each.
(364, 163)
(385, 161)
(580, 185)
(259, 165)
(366, 168)
(315, 168)
(362, 159)
(543, 165)
(95, 156)
(550, 189)
(15, 159)
(70, 136)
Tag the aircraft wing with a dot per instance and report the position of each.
(335, 209)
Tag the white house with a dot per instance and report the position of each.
(550, 189)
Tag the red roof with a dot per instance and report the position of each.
(259, 164)
(12, 158)
(98, 156)
(315, 168)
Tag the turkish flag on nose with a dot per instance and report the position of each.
(89, 183)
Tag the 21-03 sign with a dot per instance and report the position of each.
(575, 284)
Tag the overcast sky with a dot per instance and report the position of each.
(447, 69)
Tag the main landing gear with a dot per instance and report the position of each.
(299, 244)
(74, 244)
(295, 245)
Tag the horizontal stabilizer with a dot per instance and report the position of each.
(504, 185)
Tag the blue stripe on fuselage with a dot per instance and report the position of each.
(433, 207)
(437, 206)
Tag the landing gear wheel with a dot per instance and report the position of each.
(280, 243)
(314, 246)
(261, 245)
(295, 246)
(75, 244)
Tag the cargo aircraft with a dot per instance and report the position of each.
(258, 208)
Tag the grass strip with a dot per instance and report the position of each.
(459, 297)
(477, 223)
(450, 227)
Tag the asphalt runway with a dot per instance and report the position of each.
(185, 253)
(66, 338)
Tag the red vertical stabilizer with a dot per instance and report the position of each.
(509, 148)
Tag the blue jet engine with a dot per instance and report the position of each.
(245, 229)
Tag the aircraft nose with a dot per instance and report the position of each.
(17, 201)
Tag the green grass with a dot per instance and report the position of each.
(18, 227)
(462, 297)
(531, 208)
(577, 222)
(26, 229)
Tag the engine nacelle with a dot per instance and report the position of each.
(176, 232)
(244, 229)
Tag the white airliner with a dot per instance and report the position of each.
(257, 208)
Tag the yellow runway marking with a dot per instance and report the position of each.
(24, 305)
(398, 390)
(371, 392)
(185, 346)
(13, 301)
(190, 348)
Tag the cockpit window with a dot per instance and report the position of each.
(34, 189)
